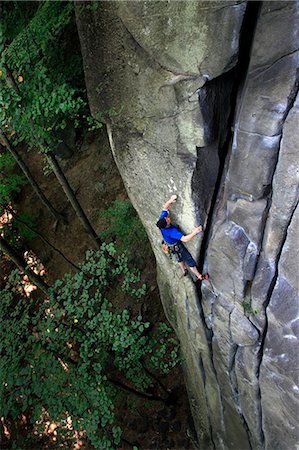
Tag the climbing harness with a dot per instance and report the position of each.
(170, 249)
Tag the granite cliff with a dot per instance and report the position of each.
(200, 99)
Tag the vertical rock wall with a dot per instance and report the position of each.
(200, 100)
(251, 233)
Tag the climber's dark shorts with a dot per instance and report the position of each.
(182, 254)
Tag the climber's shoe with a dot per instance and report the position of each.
(204, 276)
(184, 274)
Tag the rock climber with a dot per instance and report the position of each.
(174, 240)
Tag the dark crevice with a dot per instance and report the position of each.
(231, 374)
(187, 312)
(208, 332)
(223, 134)
(247, 289)
(260, 354)
(209, 339)
(218, 102)
(291, 100)
(247, 429)
(203, 376)
(234, 385)
(213, 104)
(292, 97)
(222, 130)
(254, 326)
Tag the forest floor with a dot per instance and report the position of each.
(95, 179)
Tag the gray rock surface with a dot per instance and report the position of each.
(279, 376)
(163, 76)
(261, 191)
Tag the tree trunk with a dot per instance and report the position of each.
(29, 176)
(11, 211)
(60, 175)
(72, 198)
(139, 394)
(21, 264)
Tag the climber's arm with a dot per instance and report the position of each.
(168, 203)
(188, 237)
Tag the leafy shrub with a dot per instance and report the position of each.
(67, 356)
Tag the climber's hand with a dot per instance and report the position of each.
(197, 229)
(169, 202)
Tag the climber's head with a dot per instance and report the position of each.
(164, 222)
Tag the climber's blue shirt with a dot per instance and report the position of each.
(170, 234)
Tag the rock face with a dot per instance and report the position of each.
(200, 99)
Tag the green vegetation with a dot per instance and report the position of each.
(11, 183)
(47, 93)
(67, 357)
(41, 89)
(248, 308)
(123, 225)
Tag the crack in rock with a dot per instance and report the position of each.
(262, 69)
(203, 375)
(254, 133)
(234, 383)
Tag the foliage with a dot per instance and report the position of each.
(15, 18)
(11, 182)
(23, 226)
(34, 37)
(61, 356)
(46, 109)
(123, 225)
(94, 123)
(47, 94)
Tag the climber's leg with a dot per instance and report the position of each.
(183, 267)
